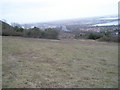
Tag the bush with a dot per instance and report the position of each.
(109, 39)
(78, 36)
(37, 33)
(94, 36)
(51, 33)
(34, 32)
(8, 30)
(18, 29)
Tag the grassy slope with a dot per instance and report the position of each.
(0, 62)
(29, 62)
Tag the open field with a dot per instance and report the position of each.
(40, 63)
(0, 62)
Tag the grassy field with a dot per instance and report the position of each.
(0, 62)
(40, 63)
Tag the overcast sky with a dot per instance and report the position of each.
(28, 11)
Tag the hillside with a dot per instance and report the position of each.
(44, 63)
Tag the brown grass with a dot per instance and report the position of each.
(42, 63)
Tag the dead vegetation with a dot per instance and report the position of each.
(42, 63)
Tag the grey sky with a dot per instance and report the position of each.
(27, 11)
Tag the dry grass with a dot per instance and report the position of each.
(40, 63)
(0, 62)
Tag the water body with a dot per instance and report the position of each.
(107, 24)
(110, 18)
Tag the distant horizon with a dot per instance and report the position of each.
(30, 11)
(60, 19)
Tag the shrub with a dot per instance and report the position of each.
(109, 39)
(33, 32)
(37, 33)
(51, 33)
(78, 36)
(8, 30)
(94, 36)
(18, 29)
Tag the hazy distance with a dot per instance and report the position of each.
(31, 11)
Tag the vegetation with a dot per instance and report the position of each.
(50, 33)
(109, 36)
(109, 39)
(94, 36)
(18, 29)
(33, 32)
(53, 33)
(44, 63)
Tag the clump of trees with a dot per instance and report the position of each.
(89, 35)
(53, 33)
(49, 33)
(110, 36)
(8, 30)
(100, 36)
(33, 32)
(94, 36)
(109, 39)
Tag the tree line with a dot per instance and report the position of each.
(35, 32)
(109, 36)
(54, 33)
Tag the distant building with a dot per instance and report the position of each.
(65, 29)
